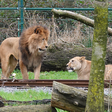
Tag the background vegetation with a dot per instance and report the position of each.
(67, 30)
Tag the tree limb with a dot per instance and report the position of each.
(78, 17)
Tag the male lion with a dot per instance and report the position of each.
(83, 66)
(28, 49)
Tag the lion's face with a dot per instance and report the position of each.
(75, 64)
(38, 40)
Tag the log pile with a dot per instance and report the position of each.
(63, 97)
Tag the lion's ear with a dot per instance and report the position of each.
(37, 30)
(82, 58)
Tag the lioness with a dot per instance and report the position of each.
(83, 66)
(28, 49)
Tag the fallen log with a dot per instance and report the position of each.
(29, 108)
(34, 102)
(71, 99)
(58, 55)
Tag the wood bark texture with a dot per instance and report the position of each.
(1, 104)
(71, 99)
(34, 102)
(28, 108)
(95, 97)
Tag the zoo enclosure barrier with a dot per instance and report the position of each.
(21, 9)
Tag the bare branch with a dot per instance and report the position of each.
(78, 17)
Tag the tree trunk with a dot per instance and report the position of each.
(95, 98)
(28, 108)
(70, 98)
(78, 17)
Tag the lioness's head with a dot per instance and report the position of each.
(35, 39)
(75, 64)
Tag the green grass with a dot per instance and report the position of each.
(58, 75)
(25, 95)
(32, 94)
(48, 75)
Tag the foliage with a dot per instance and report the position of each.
(9, 23)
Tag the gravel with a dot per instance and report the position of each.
(107, 91)
(16, 89)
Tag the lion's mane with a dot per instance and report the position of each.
(23, 42)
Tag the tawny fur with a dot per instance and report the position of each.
(82, 67)
(28, 49)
